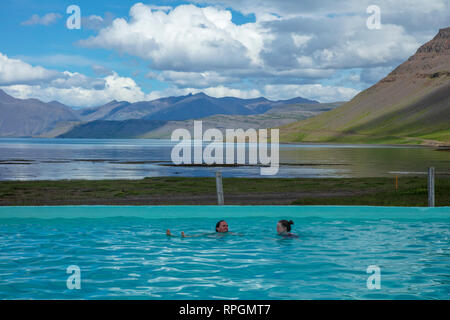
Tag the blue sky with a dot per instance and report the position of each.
(133, 51)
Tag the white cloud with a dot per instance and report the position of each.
(45, 20)
(337, 43)
(69, 80)
(365, 48)
(311, 91)
(16, 71)
(217, 92)
(94, 22)
(307, 8)
(101, 70)
(193, 79)
(187, 38)
(221, 91)
(57, 60)
(300, 40)
(79, 95)
(24, 81)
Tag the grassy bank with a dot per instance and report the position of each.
(412, 191)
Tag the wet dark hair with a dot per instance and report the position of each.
(218, 225)
(286, 224)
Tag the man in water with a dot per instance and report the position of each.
(221, 227)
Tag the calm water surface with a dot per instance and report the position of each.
(38, 159)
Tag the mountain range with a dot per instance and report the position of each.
(34, 118)
(191, 106)
(411, 105)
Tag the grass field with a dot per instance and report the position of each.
(412, 191)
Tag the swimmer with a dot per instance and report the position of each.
(284, 228)
(221, 228)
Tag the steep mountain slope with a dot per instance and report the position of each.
(411, 105)
(30, 117)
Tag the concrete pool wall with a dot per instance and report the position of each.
(174, 212)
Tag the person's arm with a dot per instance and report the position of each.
(183, 235)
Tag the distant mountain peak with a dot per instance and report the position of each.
(3, 93)
(56, 103)
(444, 33)
(4, 97)
(298, 100)
(111, 102)
(30, 117)
(440, 44)
(430, 60)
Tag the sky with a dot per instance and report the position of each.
(326, 50)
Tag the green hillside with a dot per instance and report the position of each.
(410, 106)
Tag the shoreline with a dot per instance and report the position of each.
(376, 191)
(434, 144)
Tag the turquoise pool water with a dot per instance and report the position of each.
(123, 252)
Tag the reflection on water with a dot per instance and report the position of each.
(39, 159)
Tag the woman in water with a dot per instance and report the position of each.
(284, 228)
(221, 228)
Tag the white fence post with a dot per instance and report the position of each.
(219, 188)
(431, 186)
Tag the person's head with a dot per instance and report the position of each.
(222, 226)
(284, 226)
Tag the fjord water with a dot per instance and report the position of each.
(53, 159)
(123, 252)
